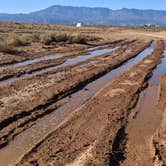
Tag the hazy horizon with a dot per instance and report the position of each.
(19, 6)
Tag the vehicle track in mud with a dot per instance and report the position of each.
(159, 137)
(18, 114)
(145, 118)
(90, 135)
(47, 91)
(39, 65)
(8, 59)
(43, 126)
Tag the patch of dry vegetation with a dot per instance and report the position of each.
(8, 44)
(16, 40)
(50, 38)
(14, 35)
(5, 47)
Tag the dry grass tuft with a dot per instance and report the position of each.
(5, 47)
(8, 44)
(35, 37)
(50, 38)
(15, 40)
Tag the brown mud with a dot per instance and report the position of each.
(9, 59)
(43, 126)
(50, 62)
(159, 139)
(92, 135)
(17, 114)
(144, 121)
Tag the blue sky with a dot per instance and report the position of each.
(25, 6)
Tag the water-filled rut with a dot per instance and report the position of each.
(79, 135)
(144, 121)
(47, 63)
(24, 141)
(70, 61)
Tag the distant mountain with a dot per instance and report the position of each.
(89, 16)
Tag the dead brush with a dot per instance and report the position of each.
(8, 44)
(16, 41)
(35, 37)
(5, 47)
(46, 39)
(50, 38)
(79, 39)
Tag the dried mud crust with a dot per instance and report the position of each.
(12, 71)
(90, 135)
(24, 101)
(160, 137)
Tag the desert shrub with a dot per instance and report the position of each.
(93, 38)
(80, 39)
(16, 40)
(35, 37)
(46, 39)
(5, 47)
(8, 44)
(60, 37)
(25, 39)
(49, 38)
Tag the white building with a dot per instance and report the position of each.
(78, 25)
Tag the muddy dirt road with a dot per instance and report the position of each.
(82, 107)
(145, 119)
(159, 137)
(90, 136)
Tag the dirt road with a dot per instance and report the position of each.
(84, 105)
(95, 133)
(159, 137)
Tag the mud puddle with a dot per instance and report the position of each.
(43, 58)
(99, 47)
(144, 121)
(27, 139)
(49, 57)
(90, 55)
(68, 62)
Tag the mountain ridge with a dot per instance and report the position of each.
(58, 14)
